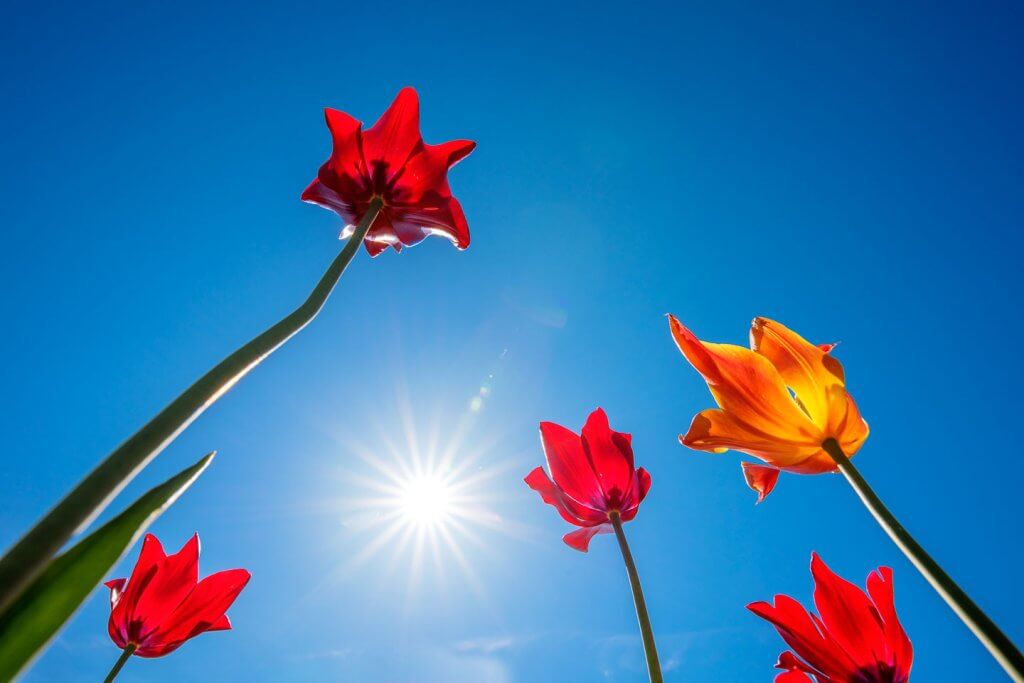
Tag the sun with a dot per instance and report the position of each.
(425, 500)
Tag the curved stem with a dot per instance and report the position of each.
(997, 643)
(650, 649)
(119, 664)
(32, 552)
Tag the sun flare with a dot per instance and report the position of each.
(425, 500)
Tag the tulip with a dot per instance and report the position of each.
(163, 603)
(784, 401)
(856, 639)
(595, 485)
(388, 168)
(387, 182)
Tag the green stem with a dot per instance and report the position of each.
(650, 649)
(1004, 651)
(33, 551)
(119, 664)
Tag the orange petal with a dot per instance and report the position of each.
(750, 391)
(761, 478)
(716, 431)
(807, 369)
(845, 421)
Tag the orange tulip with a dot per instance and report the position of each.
(778, 401)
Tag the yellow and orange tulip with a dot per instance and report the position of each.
(778, 401)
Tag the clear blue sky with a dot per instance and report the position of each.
(853, 171)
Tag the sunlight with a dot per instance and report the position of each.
(425, 500)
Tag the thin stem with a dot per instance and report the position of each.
(119, 664)
(650, 649)
(1001, 647)
(28, 557)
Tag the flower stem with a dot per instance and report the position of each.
(119, 664)
(998, 645)
(33, 551)
(650, 649)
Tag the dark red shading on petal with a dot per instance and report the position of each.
(761, 478)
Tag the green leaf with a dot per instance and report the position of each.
(50, 600)
(23, 561)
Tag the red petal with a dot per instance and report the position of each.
(320, 194)
(174, 578)
(800, 632)
(641, 485)
(580, 539)
(389, 143)
(222, 624)
(761, 478)
(880, 588)
(610, 457)
(851, 619)
(570, 467)
(202, 610)
(122, 613)
(438, 216)
(570, 510)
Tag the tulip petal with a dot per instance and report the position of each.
(800, 631)
(611, 458)
(202, 609)
(880, 588)
(346, 171)
(851, 619)
(749, 389)
(794, 670)
(426, 173)
(580, 539)
(805, 368)
(389, 143)
(173, 580)
(322, 195)
(761, 478)
(716, 431)
(845, 421)
(222, 624)
(570, 467)
(122, 616)
(570, 510)
(641, 485)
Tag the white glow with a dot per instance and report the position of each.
(425, 500)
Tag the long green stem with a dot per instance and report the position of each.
(650, 649)
(30, 554)
(1001, 647)
(119, 664)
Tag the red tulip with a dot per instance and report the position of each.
(857, 638)
(593, 477)
(391, 162)
(164, 604)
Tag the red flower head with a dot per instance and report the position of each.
(390, 161)
(857, 638)
(164, 604)
(593, 477)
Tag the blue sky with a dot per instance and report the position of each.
(853, 171)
